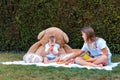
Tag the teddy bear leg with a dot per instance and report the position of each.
(34, 47)
(67, 49)
(61, 52)
(32, 58)
(40, 51)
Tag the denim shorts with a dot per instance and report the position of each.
(51, 56)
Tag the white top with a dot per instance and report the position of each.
(55, 48)
(95, 48)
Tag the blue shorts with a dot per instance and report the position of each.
(51, 56)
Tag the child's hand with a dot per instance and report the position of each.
(51, 48)
(91, 59)
(64, 59)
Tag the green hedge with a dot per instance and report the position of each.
(22, 20)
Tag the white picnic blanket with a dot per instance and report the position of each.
(108, 67)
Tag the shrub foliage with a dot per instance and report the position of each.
(22, 20)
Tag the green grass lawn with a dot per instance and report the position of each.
(32, 72)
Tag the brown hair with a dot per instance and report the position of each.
(52, 38)
(89, 33)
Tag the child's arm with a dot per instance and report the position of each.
(47, 48)
(45, 60)
(55, 60)
(73, 55)
(56, 48)
(55, 53)
(105, 52)
(91, 59)
(102, 45)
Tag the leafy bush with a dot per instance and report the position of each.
(22, 20)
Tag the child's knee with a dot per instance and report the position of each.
(77, 59)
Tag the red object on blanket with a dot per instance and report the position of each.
(66, 62)
(51, 48)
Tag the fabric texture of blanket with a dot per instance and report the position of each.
(108, 67)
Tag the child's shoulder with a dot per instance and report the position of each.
(100, 40)
(46, 44)
(56, 44)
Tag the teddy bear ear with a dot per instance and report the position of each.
(41, 34)
(66, 39)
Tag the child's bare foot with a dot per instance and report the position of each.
(99, 65)
(55, 60)
(46, 61)
(94, 65)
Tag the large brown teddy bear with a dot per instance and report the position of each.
(61, 38)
